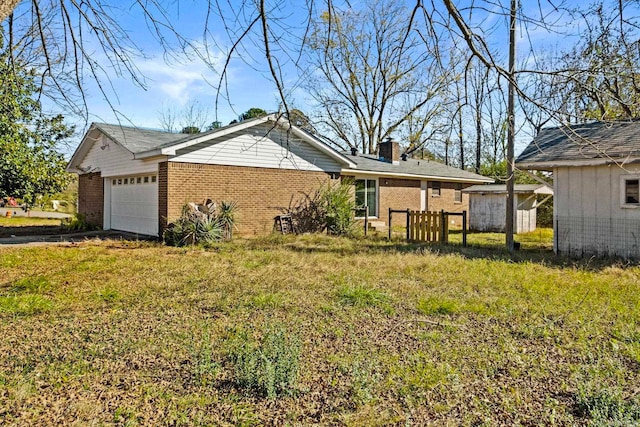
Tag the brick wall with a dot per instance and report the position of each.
(446, 200)
(162, 195)
(91, 198)
(260, 193)
(397, 194)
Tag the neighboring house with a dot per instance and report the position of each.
(488, 206)
(596, 170)
(138, 180)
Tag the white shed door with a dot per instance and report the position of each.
(134, 204)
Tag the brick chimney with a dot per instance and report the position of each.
(389, 151)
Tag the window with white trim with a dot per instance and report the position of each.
(366, 195)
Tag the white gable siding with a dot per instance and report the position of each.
(588, 215)
(110, 159)
(260, 146)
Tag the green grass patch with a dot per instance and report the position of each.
(25, 304)
(36, 284)
(435, 305)
(315, 330)
(361, 296)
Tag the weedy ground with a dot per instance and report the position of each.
(315, 330)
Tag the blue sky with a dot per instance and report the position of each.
(176, 83)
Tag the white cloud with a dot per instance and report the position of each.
(178, 82)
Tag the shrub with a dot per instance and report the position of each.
(606, 407)
(226, 215)
(269, 366)
(201, 224)
(77, 223)
(330, 208)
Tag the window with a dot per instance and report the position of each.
(113, 182)
(631, 192)
(457, 196)
(366, 195)
(153, 178)
(435, 189)
(146, 179)
(126, 181)
(120, 181)
(139, 180)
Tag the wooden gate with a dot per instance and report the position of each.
(427, 226)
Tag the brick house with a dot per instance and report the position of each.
(137, 180)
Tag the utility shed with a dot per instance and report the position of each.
(596, 171)
(488, 203)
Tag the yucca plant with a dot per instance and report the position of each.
(197, 227)
(225, 214)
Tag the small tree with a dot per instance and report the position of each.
(252, 113)
(30, 164)
(190, 129)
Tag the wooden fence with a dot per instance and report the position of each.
(429, 226)
(426, 226)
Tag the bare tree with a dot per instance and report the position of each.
(374, 70)
(192, 118)
(168, 118)
(72, 42)
(602, 71)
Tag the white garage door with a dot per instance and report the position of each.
(134, 204)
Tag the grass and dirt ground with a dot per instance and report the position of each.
(25, 226)
(314, 330)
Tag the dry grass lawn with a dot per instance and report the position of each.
(376, 333)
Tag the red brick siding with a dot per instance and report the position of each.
(446, 200)
(91, 198)
(260, 193)
(399, 194)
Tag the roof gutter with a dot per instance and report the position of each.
(550, 165)
(356, 172)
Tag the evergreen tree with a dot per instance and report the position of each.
(30, 163)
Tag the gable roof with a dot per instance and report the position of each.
(137, 140)
(146, 143)
(583, 144)
(502, 189)
(411, 168)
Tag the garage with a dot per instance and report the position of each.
(134, 204)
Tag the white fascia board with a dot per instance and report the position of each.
(321, 146)
(83, 148)
(550, 165)
(171, 150)
(358, 172)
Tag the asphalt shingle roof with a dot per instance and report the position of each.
(596, 140)
(415, 167)
(138, 140)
